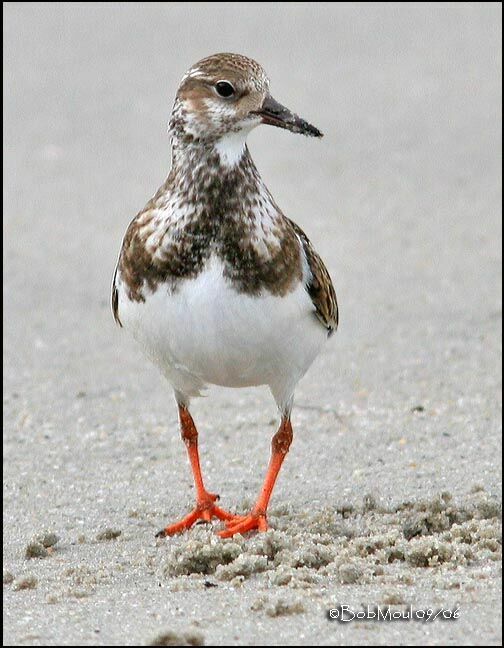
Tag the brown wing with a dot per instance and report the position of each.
(319, 286)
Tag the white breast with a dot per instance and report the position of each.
(205, 332)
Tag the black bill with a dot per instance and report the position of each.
(273, 113)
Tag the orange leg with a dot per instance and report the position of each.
(256, 519)
(205, 508)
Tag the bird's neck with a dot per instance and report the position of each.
(220, 173)
(224, 153)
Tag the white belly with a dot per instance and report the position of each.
(206, 333)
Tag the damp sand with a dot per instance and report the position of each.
(442, 551)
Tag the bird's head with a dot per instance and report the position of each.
(223, 97)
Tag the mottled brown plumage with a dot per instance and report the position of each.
(222, 223)
(215, 283)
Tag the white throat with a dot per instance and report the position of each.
(231, 147)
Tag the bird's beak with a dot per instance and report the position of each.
(273, 113)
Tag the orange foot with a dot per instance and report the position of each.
(244, 523)
(205, 510)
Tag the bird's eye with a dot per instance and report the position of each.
(224, 89)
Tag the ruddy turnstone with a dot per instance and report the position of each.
(215, 283)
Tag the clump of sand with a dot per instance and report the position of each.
(41, 545)
(8, 577)
(108, 534)
(204, 553)
(171, 638)
(24, 583)
(355, 544)
(201, 554)
(35, 550)
(275, 606)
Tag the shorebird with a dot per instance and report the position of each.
(217, 285)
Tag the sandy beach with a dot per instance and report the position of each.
(391, 493)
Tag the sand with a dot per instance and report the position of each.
(391, 494)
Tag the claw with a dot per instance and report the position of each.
(244, 523)
(204, 511)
